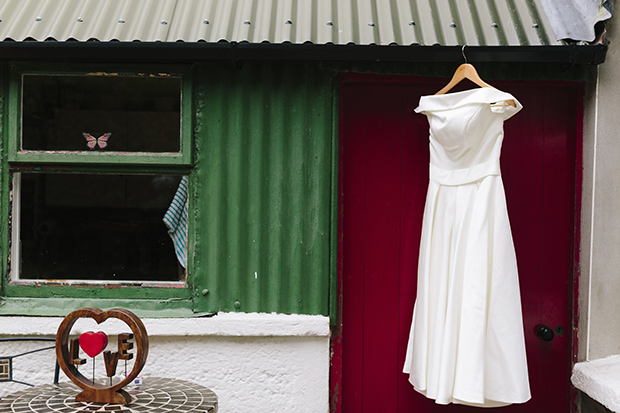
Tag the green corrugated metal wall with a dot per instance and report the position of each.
(263, 182)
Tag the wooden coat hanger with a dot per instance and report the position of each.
(467, 71)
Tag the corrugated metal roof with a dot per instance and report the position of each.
(366, 22)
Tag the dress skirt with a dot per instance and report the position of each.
(466, 343)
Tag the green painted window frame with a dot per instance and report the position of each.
(153, 299)
(17, 155)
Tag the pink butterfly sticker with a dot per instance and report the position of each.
(92, 142)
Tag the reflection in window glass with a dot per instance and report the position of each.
(141, 114)
(96, 227)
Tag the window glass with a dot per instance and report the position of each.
(86, 226)
(101, 113)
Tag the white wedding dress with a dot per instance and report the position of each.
(466, 344)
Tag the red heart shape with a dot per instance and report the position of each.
(93, 343)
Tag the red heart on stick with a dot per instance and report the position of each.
(93, 343)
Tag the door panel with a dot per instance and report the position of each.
(384, 161)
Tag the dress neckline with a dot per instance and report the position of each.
(482, 95)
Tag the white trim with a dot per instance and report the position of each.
(591, 252)
(16, 227)
(222, 324)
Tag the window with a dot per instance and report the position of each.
(86, 226)
(97, 159)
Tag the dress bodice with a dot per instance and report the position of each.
(466, 133)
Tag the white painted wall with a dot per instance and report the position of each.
(253, 362)
(598, 371)
(599, 287)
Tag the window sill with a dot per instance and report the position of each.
(221, 324)
(36, 306)
(600, 379)
(50, 295)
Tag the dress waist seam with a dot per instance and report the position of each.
(464, 176)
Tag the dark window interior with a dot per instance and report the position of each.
(96, 227)
(142, 114)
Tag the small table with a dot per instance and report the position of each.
(156, 394)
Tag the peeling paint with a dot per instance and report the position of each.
(117, 74)
(101, 74)
(98, 153)
(9, 230)
(155, 74)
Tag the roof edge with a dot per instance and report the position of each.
(203, 51)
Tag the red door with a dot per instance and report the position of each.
(384, 177)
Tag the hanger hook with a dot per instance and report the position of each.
(463, 53)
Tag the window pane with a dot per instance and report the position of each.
(96, 227)
(141, 114)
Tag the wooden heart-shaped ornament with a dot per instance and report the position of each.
(94, 343)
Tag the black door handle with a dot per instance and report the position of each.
(545, 333)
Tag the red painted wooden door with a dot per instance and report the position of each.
(384, 177)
